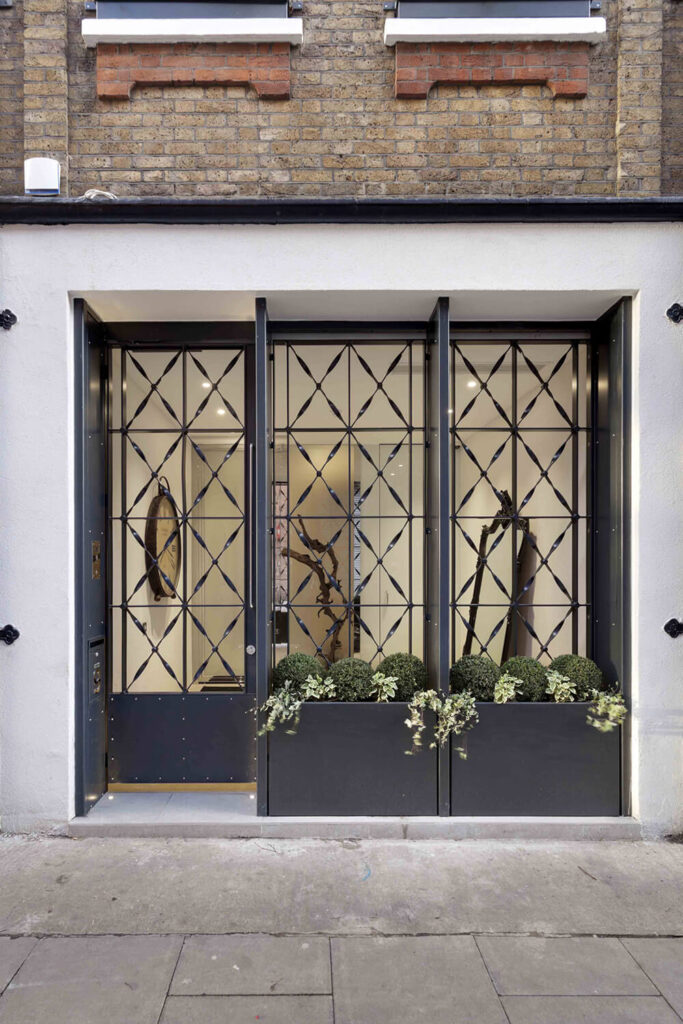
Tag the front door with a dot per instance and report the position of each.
(181, 566)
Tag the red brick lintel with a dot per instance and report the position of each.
(263, 66)
(562, 66)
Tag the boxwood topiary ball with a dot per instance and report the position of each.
(352, 678)
(297, 668)
(582, 672)
(532, 676)
(409, 671)
(476, 673)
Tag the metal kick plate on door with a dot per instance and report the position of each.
(96, 559)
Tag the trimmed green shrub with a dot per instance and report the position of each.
(531, 674)
(476, 673)
(352, 678)
(582, 672)
(297, 668)
(409, 671)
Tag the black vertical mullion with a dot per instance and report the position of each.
(289, 506)
(514, 616)
(410, 498)
(349, 509)
(437, 521)
(260, 537)
(124, 524)
(575, 498)
(183, 491)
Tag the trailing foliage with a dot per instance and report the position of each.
(582, 672)
(383, 687)
(607, 711)
(284, 704)
(352, 678)
(296, 668)
(560, 688)
(455, 714)
(507, 689)
(475, 674)
(409, 671)
(531, 674)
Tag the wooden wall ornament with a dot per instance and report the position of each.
(163, 547)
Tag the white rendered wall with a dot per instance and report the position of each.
(381, 271)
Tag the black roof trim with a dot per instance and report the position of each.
(29, 210)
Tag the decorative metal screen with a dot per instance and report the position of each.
(520, 484)
(177, 564)
(349, 443)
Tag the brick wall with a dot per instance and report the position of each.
(672, 98)
(343, 131)
(11, 98)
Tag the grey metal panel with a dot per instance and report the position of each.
(536, 759)
(351, 759)
(610, 624)
(176, 737)
(189, 9)
(494, 8)
(262, 536)
(437, 519)
(91, 529)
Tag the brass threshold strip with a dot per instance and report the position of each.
(181, 787)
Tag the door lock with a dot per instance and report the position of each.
(250, 649)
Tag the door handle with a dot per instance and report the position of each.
(674, 628)
(252, 532)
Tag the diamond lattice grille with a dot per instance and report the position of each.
(520, 466)
(348, 504)
(177, 432)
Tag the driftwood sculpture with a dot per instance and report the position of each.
(327, 580)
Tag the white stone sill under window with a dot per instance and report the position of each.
(493, 30)
(192, 30)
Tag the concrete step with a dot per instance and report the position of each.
(190, 826)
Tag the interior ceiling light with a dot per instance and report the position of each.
(471, 383)
(205, 384)
(220, 412)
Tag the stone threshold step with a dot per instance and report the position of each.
(581, 829)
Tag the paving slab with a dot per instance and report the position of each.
(13, 952)
(588, 1010)
(117, 979)
(252, 965)
(440, 979)
(529, 966)
(245, 1009)
(150, 886)
(662, 961)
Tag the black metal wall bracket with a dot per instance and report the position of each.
(7, 319)
(675, 313)
(9, 634)
(674, 628)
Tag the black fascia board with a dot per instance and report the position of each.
(163, 210)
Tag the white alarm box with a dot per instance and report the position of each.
(41, 176)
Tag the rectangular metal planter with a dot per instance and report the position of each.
(349, 759)
(536, 759)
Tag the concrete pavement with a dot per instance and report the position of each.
(163, 931)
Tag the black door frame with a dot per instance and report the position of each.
(611, 499)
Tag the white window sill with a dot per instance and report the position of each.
(192, 30)
(493, 30)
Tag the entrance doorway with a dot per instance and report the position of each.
(180, 571)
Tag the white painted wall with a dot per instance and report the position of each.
(488, 271)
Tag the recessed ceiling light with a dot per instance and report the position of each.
(205, 384)
(220, 412)
(471, 383)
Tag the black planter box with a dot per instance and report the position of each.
(349, 759)
(536, 759)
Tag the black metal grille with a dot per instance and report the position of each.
(348, 461)
(520, 542)
(177, 431)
